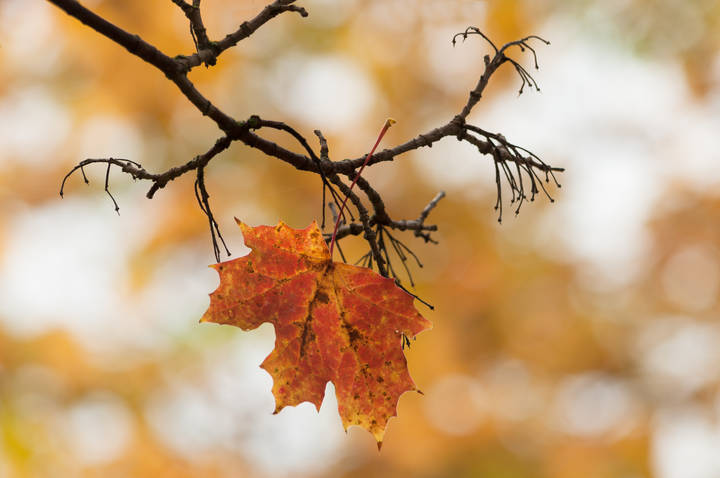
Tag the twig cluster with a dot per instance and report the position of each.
(523, 172)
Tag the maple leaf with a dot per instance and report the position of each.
(333, 322)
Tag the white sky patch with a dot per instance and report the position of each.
(175, 298)
(231, 411)
(307, 441)
(455, 404)
(513, 391)
(679, 356)
(33, 125)
(44, 285)
(602, 215)
(330, 13)
(595, 404)
(223, 409)
(29, 40)
(186, 423)
(64, 265)
(454, 165)
(685, 444)
(109, 137)
(393, 15)
(452, 68)
(331, 93)
(693, 148)
(97, 429)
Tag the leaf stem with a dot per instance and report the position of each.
(389, 122)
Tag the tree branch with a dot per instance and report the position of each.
(520, 168)
(245, 29)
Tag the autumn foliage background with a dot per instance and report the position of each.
(578, 339)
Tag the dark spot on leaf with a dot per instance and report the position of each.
(322, 297)
(307, 335)
(380, 380)
(317, 266)
(353, 334)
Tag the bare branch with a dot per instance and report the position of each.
(473, 31)
(203, 199)
(417, 225)
(370, 236)
(431, 205)
(520, 168)
(184, 6)
(387, 242)
(127, 166)
(244, 30)
(197, 29)
(160, 180)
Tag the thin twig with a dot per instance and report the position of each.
(203, 199)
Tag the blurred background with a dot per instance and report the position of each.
(579, 339)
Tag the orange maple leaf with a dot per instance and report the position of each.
(333, 322)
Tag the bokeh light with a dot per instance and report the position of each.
(580, 338)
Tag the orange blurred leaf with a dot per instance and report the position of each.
(333, 322)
